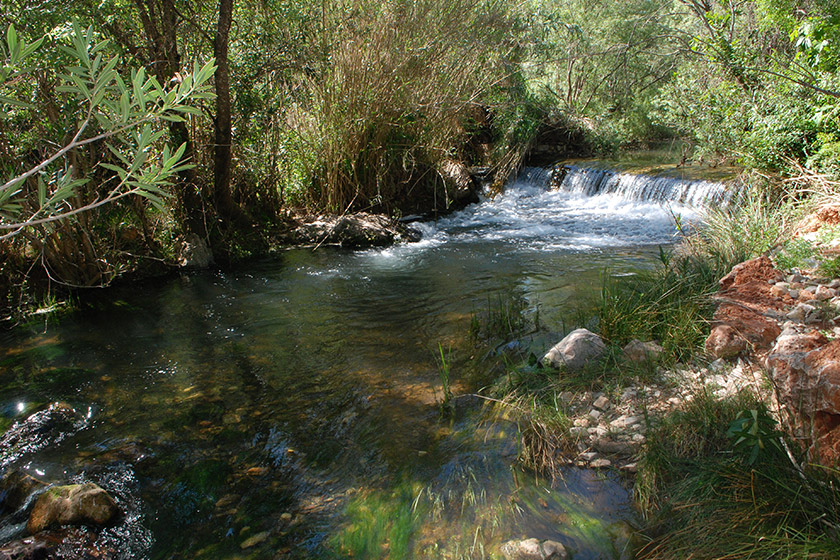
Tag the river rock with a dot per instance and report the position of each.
(74, 504)
(579, 348)
(352, 230)
(725, 342)
(39, 430)
(638, 351)
(533, 549)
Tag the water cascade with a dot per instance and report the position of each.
(592, 181)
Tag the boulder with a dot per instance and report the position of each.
(638, 351)
(74, 504)
(725, 342)
(757, 330)
(461, 188)
(533, 549)
(579, 348)
(755, 270)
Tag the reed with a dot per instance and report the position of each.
(401, 89)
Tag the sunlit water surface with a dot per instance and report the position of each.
(290, 408)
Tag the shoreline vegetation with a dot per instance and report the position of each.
(140, 138)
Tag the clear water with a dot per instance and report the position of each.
(290, 408)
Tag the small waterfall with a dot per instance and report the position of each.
(592, 181)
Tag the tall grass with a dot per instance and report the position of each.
(762, 218)
(401, 86)
(670, 303)
(706, 499)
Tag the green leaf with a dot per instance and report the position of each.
(12, 42)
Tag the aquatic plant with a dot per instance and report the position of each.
(446, 403)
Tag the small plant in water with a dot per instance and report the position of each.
(444, 370)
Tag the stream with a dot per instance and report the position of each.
(290, 409)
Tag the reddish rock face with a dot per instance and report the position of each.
(756, 270)
(804, 364)
(756, 330)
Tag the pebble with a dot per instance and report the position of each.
(601, 403)
(255, 540)
(595, 414)
(834, 284)
(589, 456)
(578, 431)
(824, 293)
(794, 294)
(600, 463)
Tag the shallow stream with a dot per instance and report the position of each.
(291, 408)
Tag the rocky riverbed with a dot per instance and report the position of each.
(769, 327)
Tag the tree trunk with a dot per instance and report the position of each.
(222, 151)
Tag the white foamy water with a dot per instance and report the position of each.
(578, 216)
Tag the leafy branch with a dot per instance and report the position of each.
(124, 114)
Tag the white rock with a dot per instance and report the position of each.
(579, 348)
(624, 422)
(600, 463)
(595, 414)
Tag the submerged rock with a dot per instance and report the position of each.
(44, 428)
(65, 544)
(533, 549)
(579, 348)
(75, 504)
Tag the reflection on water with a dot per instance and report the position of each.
(290, 408)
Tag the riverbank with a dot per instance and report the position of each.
(727, 437)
